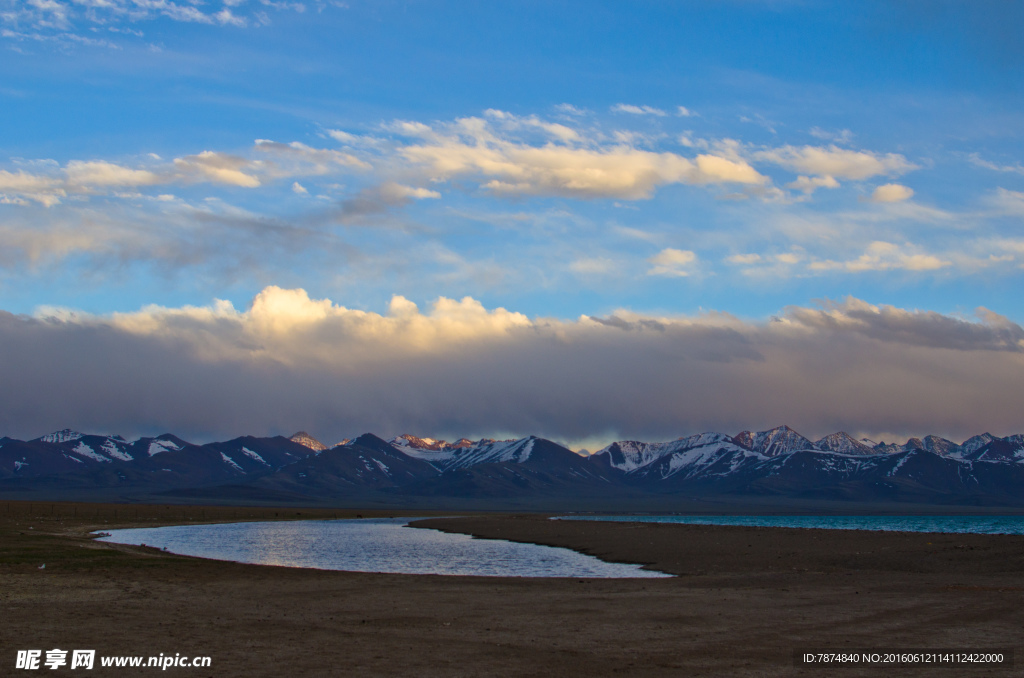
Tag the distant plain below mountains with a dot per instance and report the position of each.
(778, 467)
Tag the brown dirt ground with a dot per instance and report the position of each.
(744, 600)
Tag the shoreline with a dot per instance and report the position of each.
(684, 549)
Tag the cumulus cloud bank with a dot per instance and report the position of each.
(290, 362)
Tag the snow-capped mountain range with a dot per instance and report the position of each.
(778, 462)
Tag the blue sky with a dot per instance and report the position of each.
(556, 159)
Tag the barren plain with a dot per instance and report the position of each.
(743, 600)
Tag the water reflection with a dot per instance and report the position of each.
(372, 545)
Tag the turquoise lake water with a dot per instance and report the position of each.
(949, 524)
(373, 545)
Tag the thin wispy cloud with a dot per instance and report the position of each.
(638, 110)
(833, 161)
(81, 21)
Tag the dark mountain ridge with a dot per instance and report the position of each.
(778, 463)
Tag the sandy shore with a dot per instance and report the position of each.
(744, 600)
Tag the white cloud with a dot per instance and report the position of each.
(72, 22)
(553, 129)
(399, 191)
(885, 256)
(638, 110)
(685, 139)
(836, 162)
(296, 158)
(560, 171)
(101, 174)
(978, 161)
(716, 169)
(592, 266)
(788, 258)
(684, 112)
(226, 17)
(672, 262)
(500, 153)
(892, 193)
(843, 136)
(810, 184)
(43, 189)
(297, 329)
(220, 168)
(761, 121)
(744, 259)
(1006, 201)
(299, 188)
(279, 160)
(277, 311)
(342, 136)
(505, 165)
(569, 109)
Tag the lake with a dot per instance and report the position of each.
(948, 524)
(373, 545)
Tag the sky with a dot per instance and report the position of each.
(583, 220)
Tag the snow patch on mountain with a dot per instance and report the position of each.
(899, 464)
(433, 456)
(253, 455)
(231, 462)
(112, 450)
(156, 446)
(89, 453)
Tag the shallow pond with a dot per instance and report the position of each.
(372, 545)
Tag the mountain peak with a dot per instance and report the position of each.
(975, 443)
(843, 443)
(774, 441)
(946, 448)
(408, 440)
(306, 440)
(61, 436)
